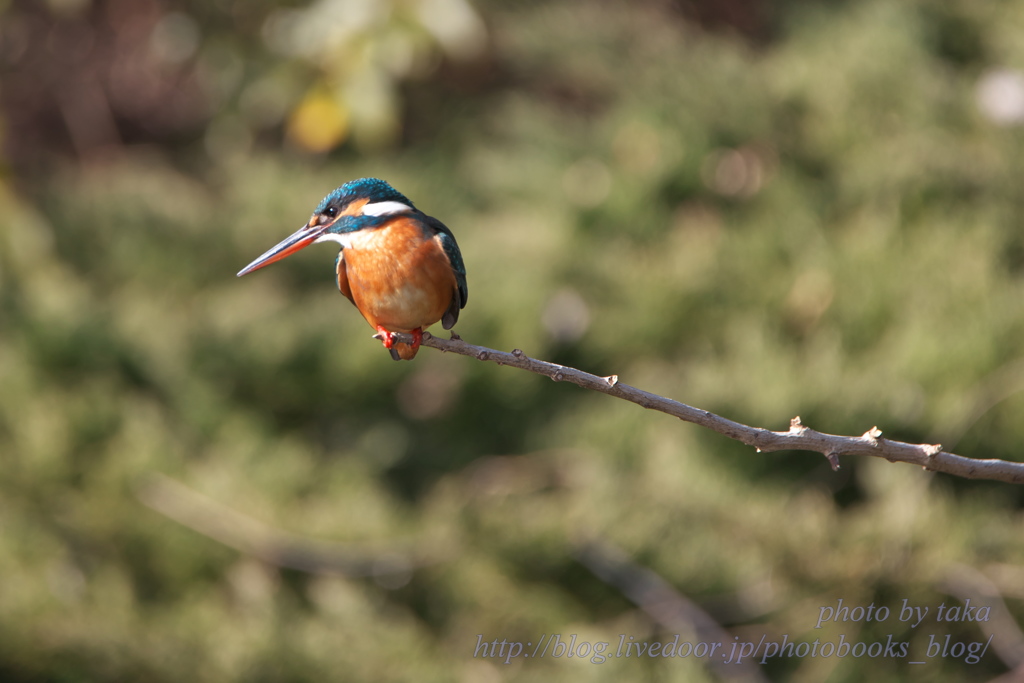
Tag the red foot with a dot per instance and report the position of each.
(386, 337)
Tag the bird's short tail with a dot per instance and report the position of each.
(400, 351)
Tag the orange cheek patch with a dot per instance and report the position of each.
(355, 207)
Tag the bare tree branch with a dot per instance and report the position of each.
(798, 437)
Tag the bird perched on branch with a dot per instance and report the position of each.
(400, 267)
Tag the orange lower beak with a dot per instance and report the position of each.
(303, 237)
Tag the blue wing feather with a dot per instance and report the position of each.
(451, 250)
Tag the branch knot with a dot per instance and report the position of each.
(833, 460)
(796, 427)
(872, 436)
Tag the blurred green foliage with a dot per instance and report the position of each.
(808, 210)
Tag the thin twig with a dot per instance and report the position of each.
(798, 437)
(968, 584)
(666, 606)
(273, 546)
(1001, 384)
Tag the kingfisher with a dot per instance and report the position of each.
(400, 267)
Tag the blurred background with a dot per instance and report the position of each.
(760, 209)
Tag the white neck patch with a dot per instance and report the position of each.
(344, 240)
(385, 208)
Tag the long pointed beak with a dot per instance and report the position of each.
(303, 237)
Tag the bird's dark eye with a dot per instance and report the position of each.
(331, 211)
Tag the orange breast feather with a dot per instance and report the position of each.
(397, 275)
